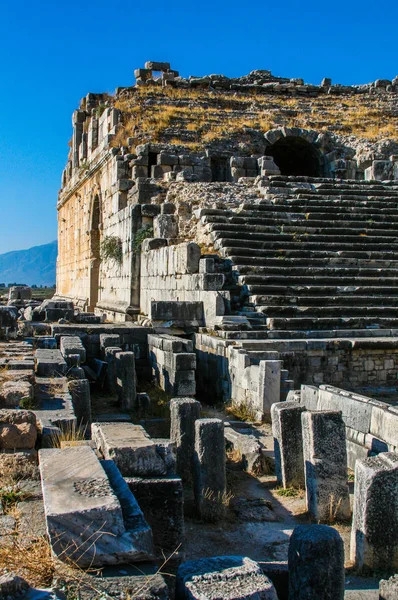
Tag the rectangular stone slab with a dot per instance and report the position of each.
(86, 521)
(49, 363)
(130, 447)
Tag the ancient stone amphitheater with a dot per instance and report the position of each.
(227, 246)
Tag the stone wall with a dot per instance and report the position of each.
(371, 425)
(173, 364)
(176, 273)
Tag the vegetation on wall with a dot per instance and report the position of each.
(146, 231)
(112, 248)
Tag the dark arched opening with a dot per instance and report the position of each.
(296, 156)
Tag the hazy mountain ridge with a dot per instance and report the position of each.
(32, 266)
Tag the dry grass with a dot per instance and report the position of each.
(243, 411)
(214, 506)
(196, 118)
(71, 433)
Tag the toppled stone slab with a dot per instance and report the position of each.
(92, 517)
(232, 577)
(54, 406)
(133, 451)
(18, 429)
(249, 447)
(50, 363)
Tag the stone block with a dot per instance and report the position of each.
(18, 429)
(388, 588)
(232, 577)
(374, 534)
(111, 374)
(157, 66)
(250, 449)
(92, 517)
(356, 409)
(80, 392)
(126, 379)
(167, 159)
(132, 450)
(183, 361)
(49, 363)
(109, 340)
(12, 392)
(72, 345)
(269, 385)
(384, 424)
(309, 397)
(288, 443)
(183, 414)
(209, 468)
(161, 501)
(153, 244)
(325, 461)
(165, 226)
(168, 208)
(316, 564)
(157, 172)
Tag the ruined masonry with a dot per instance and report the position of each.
(225, 310)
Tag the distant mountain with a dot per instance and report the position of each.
(33, 266)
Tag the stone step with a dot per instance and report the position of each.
(307, 220)
(322, 290)
(324, 207)
(331, 323)
(274, 243)
(282, 261)
(305, 301)
(253, 279)
(324, 270)
(247, 254)
(305, 235)
(316, 312)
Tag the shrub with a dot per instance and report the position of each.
(112, 248)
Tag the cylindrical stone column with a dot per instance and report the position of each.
(80, 392)
(316, 563)
(183, 413)
(209, 472)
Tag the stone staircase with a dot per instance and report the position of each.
(314, 254)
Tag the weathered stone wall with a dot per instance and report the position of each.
(371, 425)
(177, 273)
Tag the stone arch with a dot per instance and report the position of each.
(296, 151)
(95, 248)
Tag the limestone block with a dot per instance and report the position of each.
(139, 171)
(388, 588)
(374, 534)
(167, 159)
(249, 447)
(12, 392)
(111, 372)
(384, 424)
(126, 379)
(309, 397)
(183, 414)
(209, 467)
(131, 449)
(83, 502)
(288, 443)
(269, 385)
(18, 429)
(232, 577)
(316, 564)
(165, 226)
(325, 460)
(72, 345)
(161, 501)
(356, 409)
(158, 171)
(157, 66)
(108, 340)
(81, 400)
(49, 363)
(152, 244)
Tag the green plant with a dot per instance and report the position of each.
(146, 231)
(243, 411)
(112, 248)
(27, 403)
(289, 492)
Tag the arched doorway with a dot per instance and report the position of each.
(296, 156)
(95, 259)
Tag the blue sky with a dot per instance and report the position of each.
(53, 53)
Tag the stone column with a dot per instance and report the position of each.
(184, 412)
(209, 473)
(374, 534)
(316, 564)
(288, 443)
(325, 464)
(80, 392)
(111, 376)
(269, 384)
(126, 379)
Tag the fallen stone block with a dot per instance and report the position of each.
(18, 429)
(92, 517)
(12, 392)
(50, 363)
(250, 449)
(232, 577)
(71, 345)
(132, 450)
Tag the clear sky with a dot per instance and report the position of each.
(53, 52)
